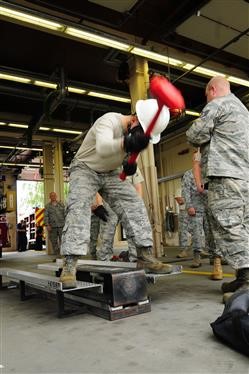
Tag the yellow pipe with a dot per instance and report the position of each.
(205, 273)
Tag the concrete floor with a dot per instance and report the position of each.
(175, 337)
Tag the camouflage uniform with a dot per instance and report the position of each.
(134, 180)
(199, 222)
(97, 170)
(209, 238)
(222, 131)
(120, 195)
(55, 217)
(183, 222)
(94, 234)
(105, 231)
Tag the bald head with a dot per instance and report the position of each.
(53, 196)
(217, 87)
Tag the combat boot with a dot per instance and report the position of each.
(223, 261)
(197, 260)
(217, 273)
(204, 254)
(226, 297)
(68, 274)
(182, 254)
(241, 281)
(146, 261)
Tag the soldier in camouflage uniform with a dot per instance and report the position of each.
(222, 132)
(196, 203)
(54, 220)
(183, 227)
(95, 168)
(202, 187)
(105, 229)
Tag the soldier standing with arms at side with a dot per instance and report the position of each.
(195, 207)
(222, 132)
(54, 219)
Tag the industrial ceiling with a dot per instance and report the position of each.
(53, 80)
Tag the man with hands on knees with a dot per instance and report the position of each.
(95, 168)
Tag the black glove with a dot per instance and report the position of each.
(129, 169)
(136, 140)
(101, 212)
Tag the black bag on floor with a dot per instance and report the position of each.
(232, 327)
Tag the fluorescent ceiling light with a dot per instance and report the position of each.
(61, 130)
(25, 17)
(109, 97)
(109, 42)
(44, 128)
(20, 148)
(18, 125)
(67, 131)
(14, 78)
(76, 90)
(103, 40)
(208, 72)
(243, 82)
(192, 113)
(155, 56)
(45, 84)
(13, 164)
(3, 123)
(204, 71)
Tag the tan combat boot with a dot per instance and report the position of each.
(204, 254)
(146, 261)
(217, 273)
(226, 297)
(68, 274)
(197, 260)
(182, 254)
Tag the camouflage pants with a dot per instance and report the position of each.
(183, 228)
(54, 236)
(228, 200)
(208, 233)
(94, 234)
(120, 195)
(105, 231)
(196, 230)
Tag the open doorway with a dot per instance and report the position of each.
(30, 195)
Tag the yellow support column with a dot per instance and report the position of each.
(138, 85)
(49, 179)
(58, 170)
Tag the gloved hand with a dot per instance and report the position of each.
(101, 212)
(136, 140)
(129, 169)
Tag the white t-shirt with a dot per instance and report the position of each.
(101, 150)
